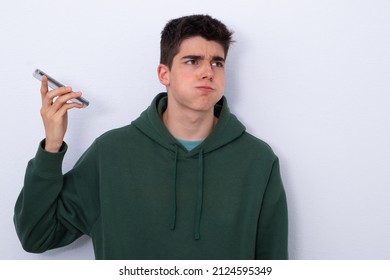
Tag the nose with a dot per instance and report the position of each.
(207, 71)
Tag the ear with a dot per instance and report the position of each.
(163, 74)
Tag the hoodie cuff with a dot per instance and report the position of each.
(49, 163)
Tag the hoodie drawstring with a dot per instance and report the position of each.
(174, 203)
(199, 195)
(199, 200)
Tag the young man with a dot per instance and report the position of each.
(183, 181)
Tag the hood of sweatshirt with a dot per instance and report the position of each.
(227, 129)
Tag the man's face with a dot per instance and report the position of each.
(196, 79)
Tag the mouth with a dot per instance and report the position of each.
(205, 88)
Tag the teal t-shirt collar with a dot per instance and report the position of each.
(189, 145)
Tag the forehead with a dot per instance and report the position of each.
(200, 46)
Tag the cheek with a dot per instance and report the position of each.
(219, 75)
(221, 82)
(181, 81)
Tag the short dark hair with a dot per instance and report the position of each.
(179, 29)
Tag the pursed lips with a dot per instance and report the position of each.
(205, 88)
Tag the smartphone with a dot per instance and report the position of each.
(53, 83)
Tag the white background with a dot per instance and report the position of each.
(311, 78)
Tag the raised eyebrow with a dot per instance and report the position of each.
(218, 58)
(200, 57)
(195, 57)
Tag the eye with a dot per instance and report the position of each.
(191, 62)
(218, 64)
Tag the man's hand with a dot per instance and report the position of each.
(54, 113)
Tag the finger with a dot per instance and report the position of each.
(51, 95)
(44, 87)
(68, 106)
(61, 112)
(58, 92)
(46, 101)
(63, 100)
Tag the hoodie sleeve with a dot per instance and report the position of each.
(53, 209)
(272, 236)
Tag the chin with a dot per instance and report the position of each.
(205, 107)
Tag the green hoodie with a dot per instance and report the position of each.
(139, 194)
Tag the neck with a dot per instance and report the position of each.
(189, 126)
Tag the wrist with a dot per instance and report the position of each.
(52, 147)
